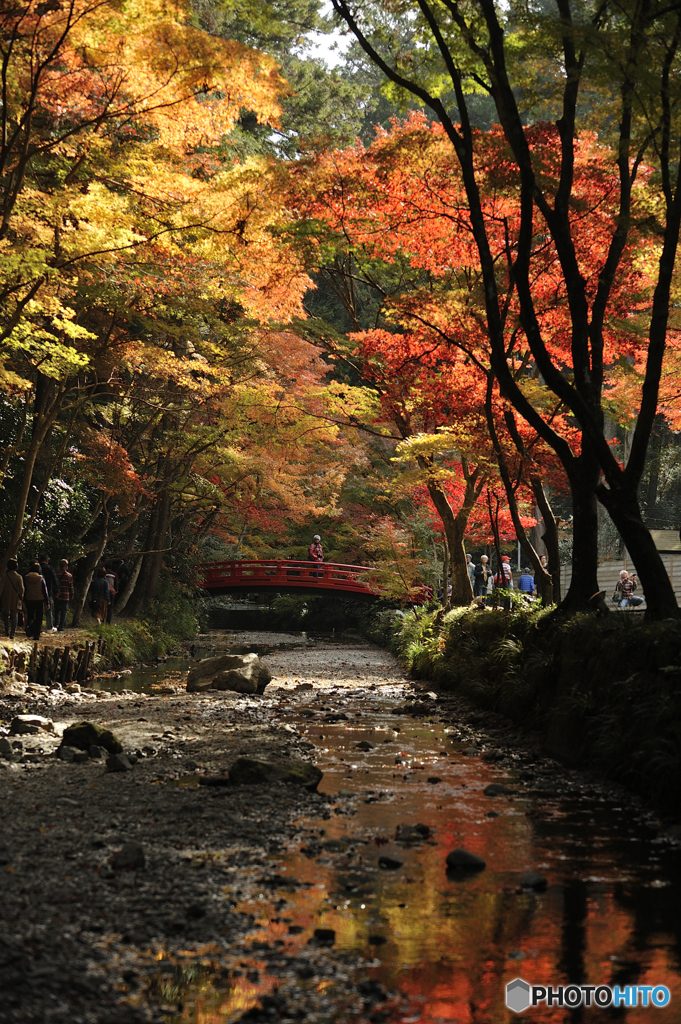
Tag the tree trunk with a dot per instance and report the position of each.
(93, 561)
(584, 475)
(445, 575)
(46, 408)
(462, 593)
(654, 456)
(129, 588)
(549, 583)
(623, 508)
(153, 560)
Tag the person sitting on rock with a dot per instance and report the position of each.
(626, 585)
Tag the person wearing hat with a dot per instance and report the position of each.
(626, 585)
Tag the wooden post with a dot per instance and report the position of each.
(63, 668)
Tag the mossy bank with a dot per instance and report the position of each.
(603, 693)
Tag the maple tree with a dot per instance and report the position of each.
(145, 367)
(405, 199)
(398, 204)
(629, 53)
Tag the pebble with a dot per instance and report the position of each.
(129, 858)
(389, 863)
(462, 861)
(498, 789)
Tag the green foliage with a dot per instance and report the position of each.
(603, 692)
(175, 610)
(130, 641)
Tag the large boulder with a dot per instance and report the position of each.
(84, 735)
(241, 673)
(240, 680)
(246, 771)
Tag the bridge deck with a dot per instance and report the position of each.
(283, 574)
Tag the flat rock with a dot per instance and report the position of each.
(533, 880)
(470, 752)
(412, 833)
(84, 735)
(118, 763)
(30, 725)
(248, 771)
(462, 861)
(498, 789)
(389, 863)
(365, 745)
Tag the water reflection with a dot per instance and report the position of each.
(609, 914)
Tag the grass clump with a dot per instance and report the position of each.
(130, 641)
(604, 692)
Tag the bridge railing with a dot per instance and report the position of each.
(245, 573)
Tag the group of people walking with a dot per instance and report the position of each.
(42, 591)
(47, 592)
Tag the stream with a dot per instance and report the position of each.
(609, 913)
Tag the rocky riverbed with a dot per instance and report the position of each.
(164, 893)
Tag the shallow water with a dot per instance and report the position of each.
(609, 915)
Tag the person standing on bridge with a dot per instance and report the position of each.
(315, 552)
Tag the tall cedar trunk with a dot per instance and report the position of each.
(153, 560)
(624, 510)
(584, 474)
(46, 406)
(129, 588)
(462, 593)
(93, 560)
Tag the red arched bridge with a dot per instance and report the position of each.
(249, 574)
